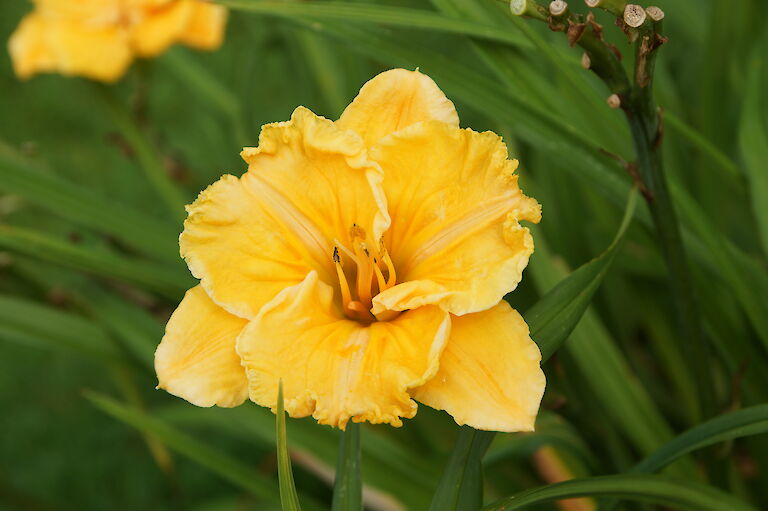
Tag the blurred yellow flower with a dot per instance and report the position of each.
(98, 39)
(363, 263)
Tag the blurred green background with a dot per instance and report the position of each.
(89, 266)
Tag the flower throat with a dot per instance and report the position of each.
(372, 274)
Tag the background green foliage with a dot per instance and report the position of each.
(90, 182)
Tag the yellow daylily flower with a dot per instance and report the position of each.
(362, 263)
(98, 39)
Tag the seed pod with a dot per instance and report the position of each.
(654, 13)
(558, 7)
(634, 15)
(586, 62)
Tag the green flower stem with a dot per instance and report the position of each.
(646, 127)
(636, 100)
(461, 485)
(348, 486)
(148, 159)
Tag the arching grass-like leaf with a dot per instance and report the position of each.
(288, 497)
(746, 422)
(553, 318)
(741, 423)
(85, 207)
(225, 466)
(166, 280)
(32, 323)
(380, 14)
(677, 494)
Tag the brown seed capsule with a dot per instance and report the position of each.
(634, 15)
(518, 7)
(557, 7)
(614, 101)
(654, 13)
(586, 62)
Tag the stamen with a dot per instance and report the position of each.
(391, 276)
(379, 276)
(346, 296)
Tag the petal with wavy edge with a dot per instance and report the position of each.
(336, 369)
(205, 26)
(308, 182)
(394, 100)
(45, 44)
(159, 28)
(489, 376)
(196, 360)
(455, 205)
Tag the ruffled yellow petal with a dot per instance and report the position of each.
(159, 28)
(489, 376)
(89, 13)
(196, 359)
(394, 100)
(205, 26)
(45, 44)
(336, 369)
(455, 206)
(308, 183)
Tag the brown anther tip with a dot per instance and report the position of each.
(614, 101)
(634, 15)
(654, 13)
(336, 257)
(592, 3)
(586, 62)
(557, 7)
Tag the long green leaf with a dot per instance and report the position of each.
(349, 12)
(209, 88)
(225, 466)
(678, 494)
(127, 322)
(166, 280)
(746, 422)
(230, 469)
(553, 318)
(390, 466)
(348, 485)
(29, 322)
(741, 423)
(87, 208)
(753, 141)
(288, 497)
(148, 159)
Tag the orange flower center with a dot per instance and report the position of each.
(370, 271)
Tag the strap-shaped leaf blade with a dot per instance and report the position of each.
(232, 470)
(558, 312)
(288, 497)
(675, 493)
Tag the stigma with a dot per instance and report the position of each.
(363, 270)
